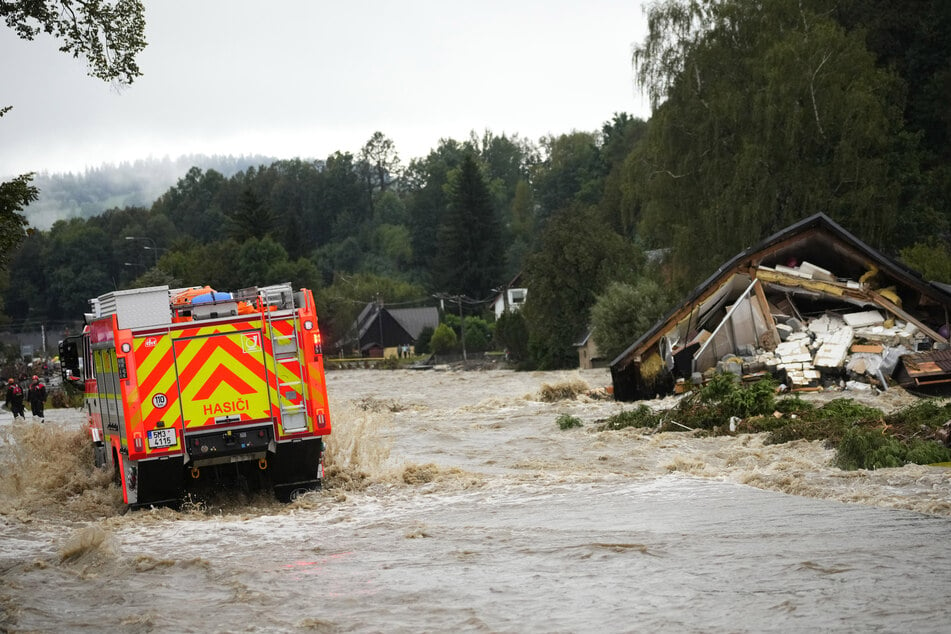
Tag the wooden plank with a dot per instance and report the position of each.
(898, 312)
(767, 314)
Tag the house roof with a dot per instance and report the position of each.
(516, 281)
(365, 318)
(412, 320)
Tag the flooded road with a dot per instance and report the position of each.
(454, 502)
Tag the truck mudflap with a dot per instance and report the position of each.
(296, 468)
(157, 483)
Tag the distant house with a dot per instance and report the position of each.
(511, 297)
(588, 354)
(382, 331)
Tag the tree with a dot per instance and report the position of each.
(578, 256)
(251, 218)
(623, 312)
(379, 165)
(422, 342)
(255, 262)
(108, 35)
(931, 259)
(342, 194)
(620, 136)
(470, 256)
(478, 334)
(444, 340)
(194, 204)
(14, 196)
(393, 242)
(912, 37)
(511, 333)
(764, 113)
(426, 179)
(571, 172)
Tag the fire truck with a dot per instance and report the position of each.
(189, 386)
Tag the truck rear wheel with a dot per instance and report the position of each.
(290, 492)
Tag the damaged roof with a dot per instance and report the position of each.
(811, 269)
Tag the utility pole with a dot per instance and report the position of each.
(462, 327)
(379, 319)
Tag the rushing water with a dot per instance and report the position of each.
(454, 502)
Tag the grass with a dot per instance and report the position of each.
(864, 437)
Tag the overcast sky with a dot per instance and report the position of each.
(306, 78)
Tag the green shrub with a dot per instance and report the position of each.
(758, 424)
(756, 399)
(864, 438)
(443, 340)
(475, 339)
(925, 414)
(871, 448)
(511, 333)
(847, 410)
(794, 405)
(829, 422)
(641, 416)
(922, 451)
(422, 342)
(863, 448)
(719, 388)
(478, 334)
(567, 421)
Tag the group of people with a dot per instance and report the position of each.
(35, 394)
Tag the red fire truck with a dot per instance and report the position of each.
(189, 386)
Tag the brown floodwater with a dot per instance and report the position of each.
(453, 501)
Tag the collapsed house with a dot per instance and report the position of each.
(811, 305)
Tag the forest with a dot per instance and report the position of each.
(762, 114)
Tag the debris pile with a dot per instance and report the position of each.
(846, 346)
(827, 351)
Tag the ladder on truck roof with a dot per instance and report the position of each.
(286, 354)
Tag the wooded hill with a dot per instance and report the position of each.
(764, 113)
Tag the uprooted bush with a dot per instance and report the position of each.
(863, 448)
(708, 408)
(567, 421)
(641, 416)
(864, 437)
(829, 422)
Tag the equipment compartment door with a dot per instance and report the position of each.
(291, 396)
(222, 378)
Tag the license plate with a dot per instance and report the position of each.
(159, 438)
